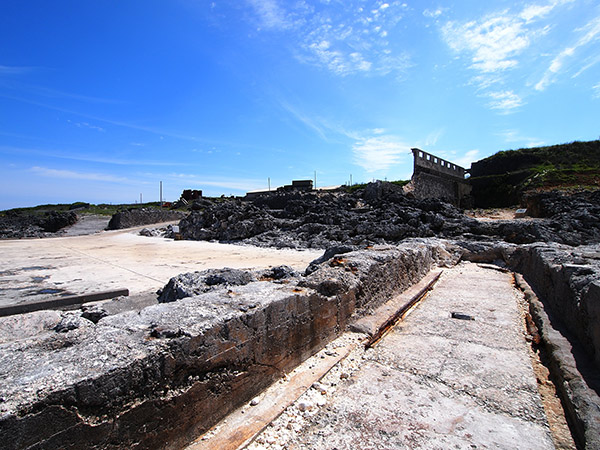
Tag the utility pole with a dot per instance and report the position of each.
(315, 180)
(269, 179)
(140, 198)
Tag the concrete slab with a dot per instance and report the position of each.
(40, 269)
(433, 382)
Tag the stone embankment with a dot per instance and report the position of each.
(144, 216)
(162, 376)
(17, 226)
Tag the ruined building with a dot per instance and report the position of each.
(434, 177)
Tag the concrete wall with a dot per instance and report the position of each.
(437, 165)
(158, 378)
(434, 177)
(567, 280)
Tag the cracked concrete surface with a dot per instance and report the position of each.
(434, 382)
(41, 269)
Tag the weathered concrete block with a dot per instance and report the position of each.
(158, 377)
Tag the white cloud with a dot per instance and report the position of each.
(589, 33)
(596, 89)
(14, 70)
(86, 125)
(308, 121)
(346, 38)
(497, 44)
(69, 174)
(506, 101)
(466, 160)
(433, 13)
(379, 153)
(270, 14)
(493, 44)
(514, 136)
(236, 184)
(433, 137)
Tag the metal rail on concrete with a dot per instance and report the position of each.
(56, 303)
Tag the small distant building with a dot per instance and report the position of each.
(434, 177)
(297, 185)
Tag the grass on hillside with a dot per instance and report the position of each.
(103, 209)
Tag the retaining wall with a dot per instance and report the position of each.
(160, 377)
(144, 216)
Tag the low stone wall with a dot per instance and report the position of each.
(158, 378)
(144, 216)
(563, 291)
(567, 279)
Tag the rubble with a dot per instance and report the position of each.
(377, 214)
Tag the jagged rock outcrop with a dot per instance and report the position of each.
(16, 225)
(379, 213)
(195, 283)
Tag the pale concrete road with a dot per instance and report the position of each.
(434, 382)
(36, 269)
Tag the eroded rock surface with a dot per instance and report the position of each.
(381, 213)
(15, 225)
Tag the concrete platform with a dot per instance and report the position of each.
(433, 382)
(42, 269)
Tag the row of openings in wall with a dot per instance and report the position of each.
(441, 162)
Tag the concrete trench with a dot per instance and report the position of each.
(160, 377)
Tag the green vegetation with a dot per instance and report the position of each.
(501, 179)
(356, 187)
(80, 207)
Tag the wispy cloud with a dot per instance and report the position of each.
(492, 44)
(86, 125)
(74, 155)
(270, 14)
(378, 153)
(373, 150)
(345, 38)
(514, 136)
(236, 184)
(433, 13)
(433, 137)
(589, 34)
(308, 121)
(15, 70)
(69, 174)
(505, 101)
(467, 158)
(496, 45)
(596, 89)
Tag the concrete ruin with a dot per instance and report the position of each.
(297, 185)
(434, 177)
(159, 377)
(191, 194)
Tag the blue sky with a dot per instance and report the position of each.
(100, 101)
